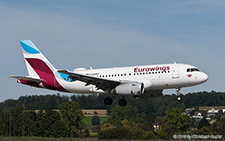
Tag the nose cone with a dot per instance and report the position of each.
(204, 77)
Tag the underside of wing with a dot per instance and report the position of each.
(28, 78)
(100, 83)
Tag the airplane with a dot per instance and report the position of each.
(145, 81)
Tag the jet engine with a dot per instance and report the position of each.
(135, 88)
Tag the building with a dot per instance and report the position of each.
(197, 115)
(212, 112)
(190, 111)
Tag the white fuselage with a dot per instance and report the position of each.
(154, 77)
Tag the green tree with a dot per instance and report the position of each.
(48, 121)
(73, 116)
(203, 123)
(175, 122)
(144, 122)
(118, 114)
(2, 123)
(30, 123)
(204, 131)
(115, 133)
(95, 120)
(218, 128)
(60, 129)
(18, 122)
(86, 133)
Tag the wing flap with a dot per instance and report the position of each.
(27, 78)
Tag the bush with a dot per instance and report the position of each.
(115, 133)
(95, 120)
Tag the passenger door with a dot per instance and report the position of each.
(175, 72)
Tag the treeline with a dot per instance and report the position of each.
(34, 116)
(124, 124)
(67, 122)
(155, 106)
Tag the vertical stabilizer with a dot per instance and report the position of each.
(39, 68)
(35, 61)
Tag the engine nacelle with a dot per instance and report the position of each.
(135, 88)
(152, 93)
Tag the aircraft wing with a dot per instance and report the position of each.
(100, 83)
(27, 78)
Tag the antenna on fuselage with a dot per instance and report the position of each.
(174, 62)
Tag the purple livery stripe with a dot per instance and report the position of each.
(46, 74)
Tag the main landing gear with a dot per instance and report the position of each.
(122, 102)
(178, 94)
(108, 101)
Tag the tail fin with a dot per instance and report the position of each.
(41, 71)
(37, 65)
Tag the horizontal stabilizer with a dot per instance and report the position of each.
(27, 78)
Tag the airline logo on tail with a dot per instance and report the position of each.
(29, 47)
(41, 71)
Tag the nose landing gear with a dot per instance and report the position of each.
(178, 94)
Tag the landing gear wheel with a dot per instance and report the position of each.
(179, 98)
(122, 102)
(108, 101)
(178, 94)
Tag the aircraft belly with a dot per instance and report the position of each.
(79, 87)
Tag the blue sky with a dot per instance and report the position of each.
(100, 33)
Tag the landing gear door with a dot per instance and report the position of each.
(175, 72)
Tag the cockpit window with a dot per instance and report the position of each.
(192, 69)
